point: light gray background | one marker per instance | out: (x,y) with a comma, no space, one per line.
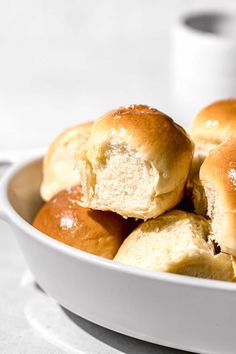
(63,62)
(67,61)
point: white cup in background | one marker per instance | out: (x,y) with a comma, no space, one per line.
(203,61)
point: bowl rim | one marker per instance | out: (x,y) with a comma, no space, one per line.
(9,214)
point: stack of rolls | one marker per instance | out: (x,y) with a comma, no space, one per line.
(114,188)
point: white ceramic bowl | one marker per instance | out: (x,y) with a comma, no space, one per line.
(173,310)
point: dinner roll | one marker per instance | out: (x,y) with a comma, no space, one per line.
(215,194)
(96,232)
(212,126)
(59,170)
(176,242)
(137,163)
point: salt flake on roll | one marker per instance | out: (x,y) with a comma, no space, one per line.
(136,164)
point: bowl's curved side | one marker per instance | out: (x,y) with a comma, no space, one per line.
(187,317)
(177,311)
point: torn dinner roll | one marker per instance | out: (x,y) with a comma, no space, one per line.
(136,164)
(176,242)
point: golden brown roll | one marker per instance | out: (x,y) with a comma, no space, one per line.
(96,232)
(137,163)
(176,242)
(59,170)
(212,126)
(215,193)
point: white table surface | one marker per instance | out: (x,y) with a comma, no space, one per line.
(64,62)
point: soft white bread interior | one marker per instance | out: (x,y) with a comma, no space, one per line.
(59,170)
(176,242)
(199,197)
(137,163)
(215,193)
(212,126)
